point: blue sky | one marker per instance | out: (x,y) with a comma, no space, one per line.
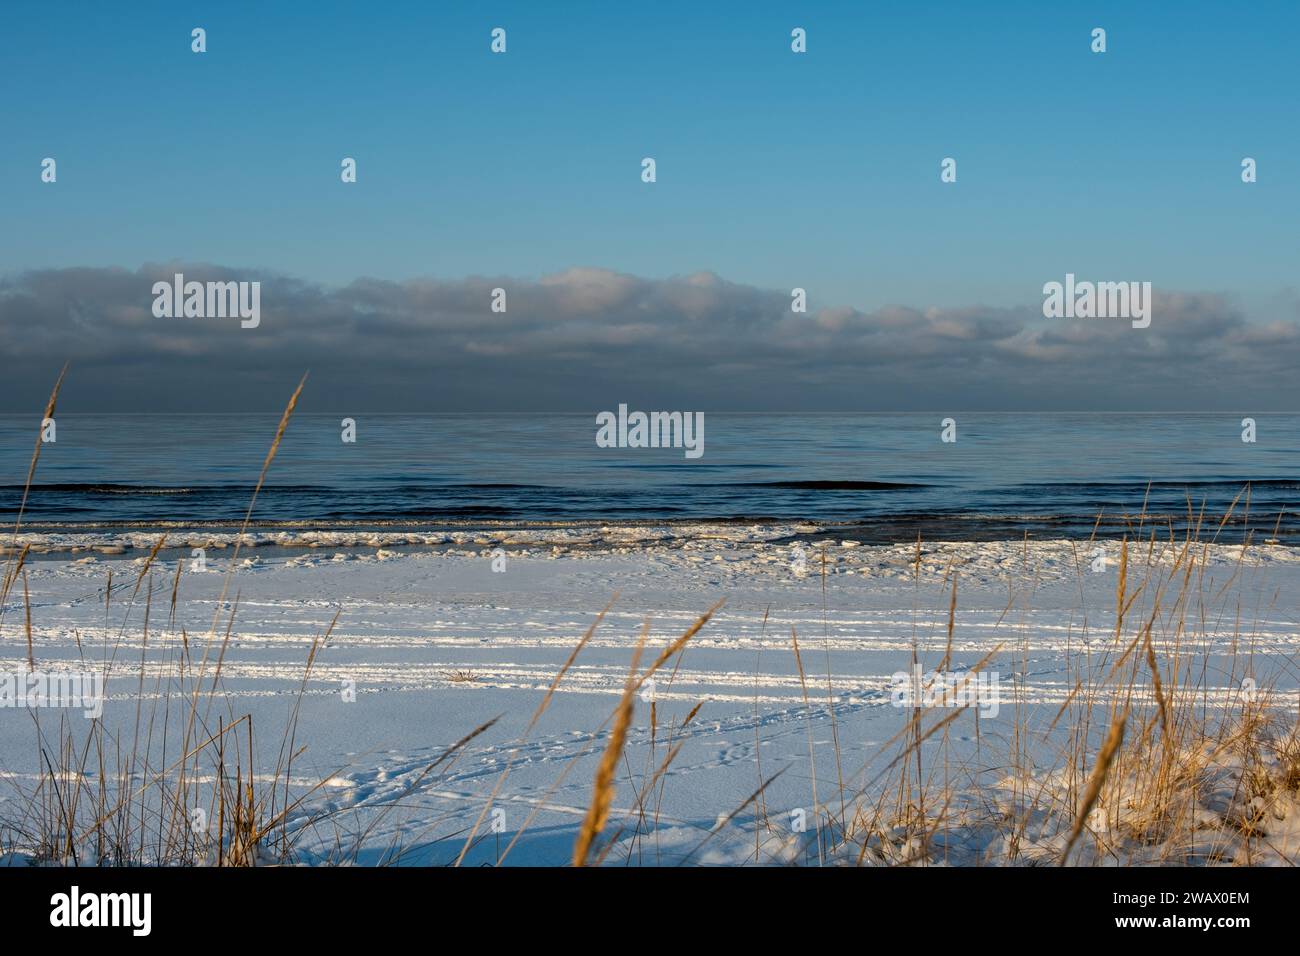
(775,170)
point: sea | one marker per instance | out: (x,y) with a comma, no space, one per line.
(877,477)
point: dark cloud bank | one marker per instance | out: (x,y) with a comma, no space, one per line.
(588,339)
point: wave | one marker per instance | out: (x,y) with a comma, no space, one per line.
(830,485)
(1124,483)
(109,488)
(101,488)
(105,488)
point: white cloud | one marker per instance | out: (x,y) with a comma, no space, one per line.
(587,337)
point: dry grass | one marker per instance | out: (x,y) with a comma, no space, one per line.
(602,796)
(181,788)
(1148,766)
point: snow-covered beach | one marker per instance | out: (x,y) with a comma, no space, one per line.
(440,633)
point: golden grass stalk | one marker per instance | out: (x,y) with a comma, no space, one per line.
(1105,757)
(36,452)
(602,794)
(261,478)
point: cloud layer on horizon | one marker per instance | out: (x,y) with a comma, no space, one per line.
(587,339)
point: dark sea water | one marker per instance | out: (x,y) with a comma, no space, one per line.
(888,476)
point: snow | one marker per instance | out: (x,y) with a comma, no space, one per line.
(437,643)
